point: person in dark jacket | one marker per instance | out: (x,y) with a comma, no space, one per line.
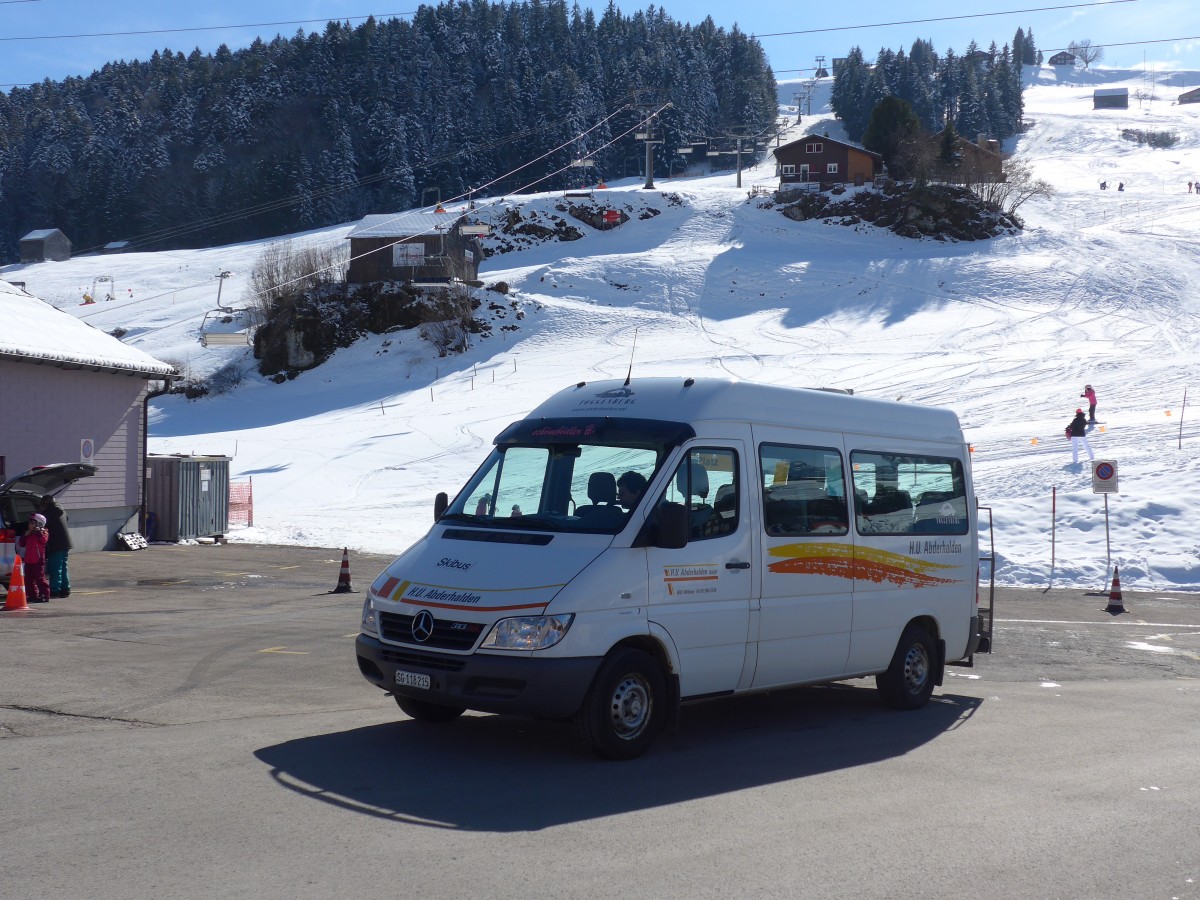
(57,547)
(1078,429)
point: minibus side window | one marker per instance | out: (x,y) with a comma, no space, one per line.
(900,493)
(804,490)
(707,483)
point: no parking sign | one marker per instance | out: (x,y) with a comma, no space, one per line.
(1104,476)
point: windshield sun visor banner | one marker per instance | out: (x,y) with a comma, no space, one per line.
(587,430)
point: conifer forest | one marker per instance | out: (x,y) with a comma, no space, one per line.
(321,128)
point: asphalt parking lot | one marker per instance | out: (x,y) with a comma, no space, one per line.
(191,722)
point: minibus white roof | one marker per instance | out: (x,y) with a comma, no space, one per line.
(717,399)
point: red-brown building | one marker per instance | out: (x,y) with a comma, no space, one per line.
(971,163)
(814,158)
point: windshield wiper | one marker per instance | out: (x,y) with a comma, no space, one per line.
(463,517)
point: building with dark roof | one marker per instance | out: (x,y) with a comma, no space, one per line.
(45,244)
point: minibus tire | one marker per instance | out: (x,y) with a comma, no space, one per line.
(909,679)
(625,706)
(424,711)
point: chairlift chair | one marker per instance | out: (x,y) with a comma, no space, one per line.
(239,338)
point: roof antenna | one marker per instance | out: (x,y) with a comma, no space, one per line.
(629,374)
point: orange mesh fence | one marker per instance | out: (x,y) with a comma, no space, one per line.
(241,503)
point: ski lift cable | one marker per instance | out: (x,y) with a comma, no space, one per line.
(526,186)
(598,150)
(237,215)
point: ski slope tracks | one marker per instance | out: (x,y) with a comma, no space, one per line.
(1101,288)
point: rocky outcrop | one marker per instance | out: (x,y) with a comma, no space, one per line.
(942,212)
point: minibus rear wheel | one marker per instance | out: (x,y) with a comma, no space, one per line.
(424,711)
(625,706)
(909,679)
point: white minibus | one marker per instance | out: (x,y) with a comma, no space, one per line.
(631,546)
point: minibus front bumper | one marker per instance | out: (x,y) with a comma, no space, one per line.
(520,685)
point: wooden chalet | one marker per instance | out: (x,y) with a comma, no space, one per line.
(418,246)
(824,161)
(1192,96)
(1062,58)
(973,162)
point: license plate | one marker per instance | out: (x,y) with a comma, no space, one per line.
(412,679)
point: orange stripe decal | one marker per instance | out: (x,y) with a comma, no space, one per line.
(860,563)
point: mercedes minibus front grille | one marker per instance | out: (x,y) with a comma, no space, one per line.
(446,634)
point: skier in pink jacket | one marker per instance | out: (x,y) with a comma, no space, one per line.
(1091,399)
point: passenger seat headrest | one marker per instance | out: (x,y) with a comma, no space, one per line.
(699,480)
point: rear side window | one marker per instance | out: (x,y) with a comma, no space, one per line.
(908,494)
(804,490)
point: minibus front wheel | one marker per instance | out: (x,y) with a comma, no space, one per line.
(909,679)
(424,711)
(625,706)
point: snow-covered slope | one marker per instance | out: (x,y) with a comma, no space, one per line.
(1101,288)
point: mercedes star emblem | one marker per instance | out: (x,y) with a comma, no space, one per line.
(422,626)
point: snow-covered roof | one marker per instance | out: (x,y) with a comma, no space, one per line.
(35,330)
(405,224)
(1112,92)
(41,234)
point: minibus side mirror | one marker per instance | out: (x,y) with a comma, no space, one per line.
(673,526)
(440,502)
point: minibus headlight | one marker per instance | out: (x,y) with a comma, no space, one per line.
(368,617)
(528,632)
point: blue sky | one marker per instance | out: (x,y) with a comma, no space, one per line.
(39,38)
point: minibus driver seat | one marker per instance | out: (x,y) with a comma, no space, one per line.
(602,491)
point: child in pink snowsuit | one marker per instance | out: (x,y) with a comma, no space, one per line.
(1091,399)
(32,545)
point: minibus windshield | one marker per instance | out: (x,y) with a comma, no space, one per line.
(580,476)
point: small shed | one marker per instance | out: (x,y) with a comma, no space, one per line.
(1110,98)
(115,247)
(1192,96)
(1062,58)
(186,497)
(45,244)
(415,246)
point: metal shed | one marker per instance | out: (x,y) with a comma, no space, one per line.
(45,244)
(186,497)
(1110,98)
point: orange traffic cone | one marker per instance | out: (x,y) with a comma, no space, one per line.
(1115,600)
(16,588)
(343,585)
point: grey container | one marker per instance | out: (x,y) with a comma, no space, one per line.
(186,497)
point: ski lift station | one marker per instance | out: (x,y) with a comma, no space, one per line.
(421,247)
